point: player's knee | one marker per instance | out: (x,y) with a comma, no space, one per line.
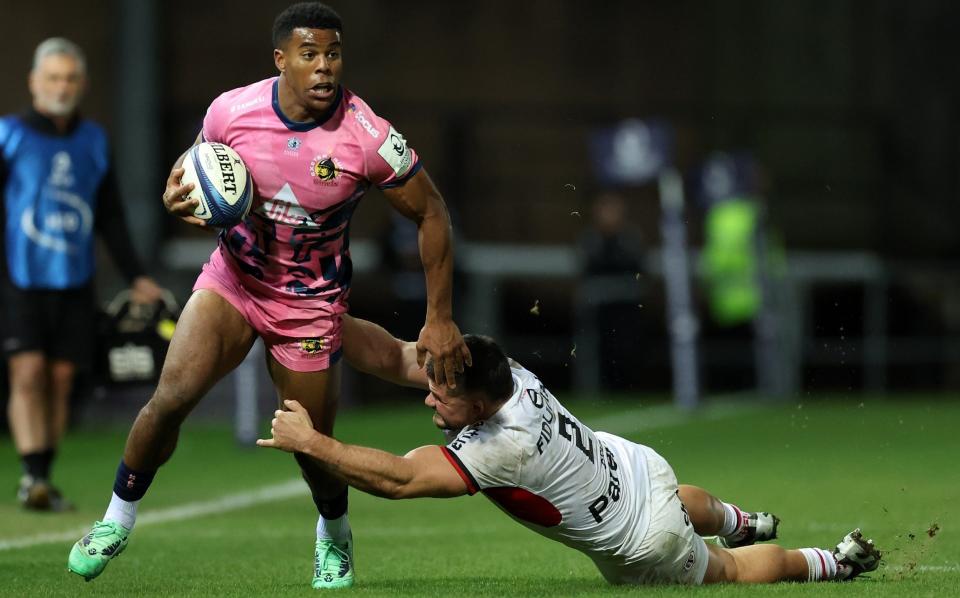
(29,379)
(63,373)
(732,571)
(169,403)
(706,511)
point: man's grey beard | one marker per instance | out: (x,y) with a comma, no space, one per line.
(58,108)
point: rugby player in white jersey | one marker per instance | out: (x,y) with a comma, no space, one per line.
(616,501)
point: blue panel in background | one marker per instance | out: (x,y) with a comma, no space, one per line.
(633,152)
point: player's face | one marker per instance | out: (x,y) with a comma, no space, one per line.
(57,85)
(452,412)
(312,65)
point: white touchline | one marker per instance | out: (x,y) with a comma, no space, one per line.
(231,502)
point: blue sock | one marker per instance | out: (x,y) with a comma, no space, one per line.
(131,485)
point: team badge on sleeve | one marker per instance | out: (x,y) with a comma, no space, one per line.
(395,151)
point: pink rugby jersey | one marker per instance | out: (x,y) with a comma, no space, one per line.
(308,179)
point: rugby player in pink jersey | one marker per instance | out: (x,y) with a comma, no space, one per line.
(313,148)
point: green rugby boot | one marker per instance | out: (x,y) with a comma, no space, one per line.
(333,564)
(92,552)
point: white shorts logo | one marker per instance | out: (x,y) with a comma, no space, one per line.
(691,560)
(395,151)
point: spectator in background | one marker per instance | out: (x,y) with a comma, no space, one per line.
(610,246)
(58,187)
(611,286)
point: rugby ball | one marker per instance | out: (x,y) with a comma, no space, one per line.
(221,184)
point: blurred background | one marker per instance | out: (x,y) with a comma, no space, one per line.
(741,196)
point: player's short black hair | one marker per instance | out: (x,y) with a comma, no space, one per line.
(490,372)
(312,15)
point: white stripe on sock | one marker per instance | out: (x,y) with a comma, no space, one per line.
(732,520)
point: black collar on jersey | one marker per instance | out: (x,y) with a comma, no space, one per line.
(44,124)
(298,126)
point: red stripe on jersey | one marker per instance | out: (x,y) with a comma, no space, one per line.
(823,564)
(472,486)
(525,505)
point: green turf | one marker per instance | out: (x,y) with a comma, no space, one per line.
(824,467)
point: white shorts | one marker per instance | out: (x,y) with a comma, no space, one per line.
(671,552)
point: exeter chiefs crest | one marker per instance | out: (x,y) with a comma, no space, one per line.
(325,170)
(311,346)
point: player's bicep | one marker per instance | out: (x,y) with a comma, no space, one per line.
(433,475)
(416,198)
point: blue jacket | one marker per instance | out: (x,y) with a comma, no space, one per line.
(58,187)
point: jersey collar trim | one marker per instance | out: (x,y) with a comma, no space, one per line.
(299,126)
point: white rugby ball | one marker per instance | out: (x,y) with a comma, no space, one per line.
(221,184)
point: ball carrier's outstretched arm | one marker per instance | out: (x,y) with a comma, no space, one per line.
(420,201)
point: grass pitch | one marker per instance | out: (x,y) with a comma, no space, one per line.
(825,467)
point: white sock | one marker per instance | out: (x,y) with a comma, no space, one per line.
(820,564)
(122,511)
(734,520)
(333,529)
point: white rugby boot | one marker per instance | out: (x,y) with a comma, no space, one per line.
(855,556)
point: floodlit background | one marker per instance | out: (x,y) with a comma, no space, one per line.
(822,256)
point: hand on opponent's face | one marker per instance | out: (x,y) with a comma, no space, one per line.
(443,341)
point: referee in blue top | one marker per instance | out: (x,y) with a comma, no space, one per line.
(58,187)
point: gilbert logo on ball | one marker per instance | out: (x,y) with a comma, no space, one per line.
(221,184)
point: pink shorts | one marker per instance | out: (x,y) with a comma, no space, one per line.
(302,339)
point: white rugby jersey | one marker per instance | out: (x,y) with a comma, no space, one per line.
(554,475)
